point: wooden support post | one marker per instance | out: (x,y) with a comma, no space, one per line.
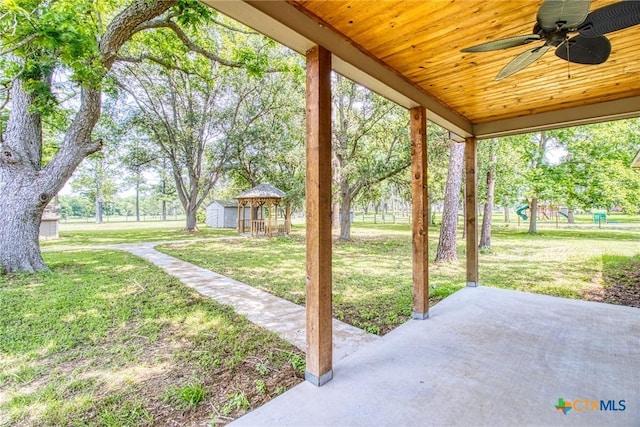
(275,217)
(251,221)
(318,205)
(471,211)
(420,222)
(287,214)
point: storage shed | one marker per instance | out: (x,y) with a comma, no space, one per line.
(49,222)
(222,214)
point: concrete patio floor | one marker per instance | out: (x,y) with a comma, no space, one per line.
(486,356)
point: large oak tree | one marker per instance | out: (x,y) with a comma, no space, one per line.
(44,42)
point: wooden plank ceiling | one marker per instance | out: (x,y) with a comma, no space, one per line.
(421,41)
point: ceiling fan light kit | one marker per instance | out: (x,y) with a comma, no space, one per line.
(556,20)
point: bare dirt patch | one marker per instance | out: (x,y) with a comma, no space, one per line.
(621,283)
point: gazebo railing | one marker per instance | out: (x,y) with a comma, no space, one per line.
(257,226)
(268,227)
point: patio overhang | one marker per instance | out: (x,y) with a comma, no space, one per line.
(409,52)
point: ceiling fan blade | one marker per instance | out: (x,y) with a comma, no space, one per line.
(613,17)
(585,50)
(522,61)
(503,43)
(554,14)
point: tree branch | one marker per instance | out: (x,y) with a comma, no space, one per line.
(77,145)
(235,29)
(165,64)
(167,23)
(21,43)
(126,24)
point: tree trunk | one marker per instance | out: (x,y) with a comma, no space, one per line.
(533,218)
(345,220)
(446,251)
(507,219)
(22,199)
(345,210)
(570,217)
(138,199)
(485,233)
(192,221)
(19,229)
(164,210)
(335,216)
(98,211)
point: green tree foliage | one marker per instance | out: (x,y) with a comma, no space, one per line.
(267,133)
(595,172)
(438,159)
(584,167)
(370,143)
(94,180)
(198,109)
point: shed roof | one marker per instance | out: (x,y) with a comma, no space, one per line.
(410,52)
(226,203)
(262,191)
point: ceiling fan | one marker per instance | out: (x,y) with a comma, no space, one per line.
(556,19)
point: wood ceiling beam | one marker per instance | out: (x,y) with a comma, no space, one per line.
(296,30)
(595,113)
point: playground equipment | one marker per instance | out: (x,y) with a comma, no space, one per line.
(544,212)
(520,212)
(599,217)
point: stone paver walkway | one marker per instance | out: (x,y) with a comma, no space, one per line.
(276,314)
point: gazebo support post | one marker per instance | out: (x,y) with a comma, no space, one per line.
(287,218)
(471,211)
(275,217)
(419,223)
(241,217)
(319,368)
(251,217)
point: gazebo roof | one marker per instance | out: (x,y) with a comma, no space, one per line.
(262,191)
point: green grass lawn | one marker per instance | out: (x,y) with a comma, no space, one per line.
(372,273)
(87,234)
(108,339)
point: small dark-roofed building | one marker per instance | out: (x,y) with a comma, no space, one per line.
(222,214)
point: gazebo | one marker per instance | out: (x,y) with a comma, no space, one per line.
(266,216)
